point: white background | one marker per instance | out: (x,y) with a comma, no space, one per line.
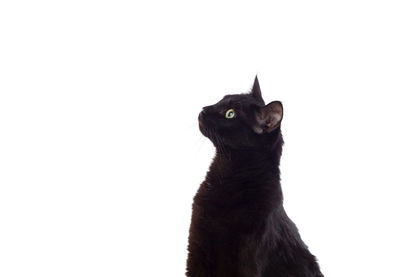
(100,153)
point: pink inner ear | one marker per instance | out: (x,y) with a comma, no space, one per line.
(268,118)
(275,118)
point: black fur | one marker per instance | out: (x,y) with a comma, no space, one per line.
(239,226)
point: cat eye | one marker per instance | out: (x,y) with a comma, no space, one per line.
(230,114)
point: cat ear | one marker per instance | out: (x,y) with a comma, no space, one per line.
(268,117)
(256,91)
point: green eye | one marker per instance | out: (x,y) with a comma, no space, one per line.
(230,113)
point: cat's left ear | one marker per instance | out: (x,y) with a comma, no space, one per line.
(256,91)
(268,118)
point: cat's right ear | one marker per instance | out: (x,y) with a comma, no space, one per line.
(268,118)
(256,90)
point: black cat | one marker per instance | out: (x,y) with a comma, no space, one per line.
(239,226)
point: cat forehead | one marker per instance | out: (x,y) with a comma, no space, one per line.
(235,99)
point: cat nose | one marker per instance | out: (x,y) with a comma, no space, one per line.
(205,110)
(202,114)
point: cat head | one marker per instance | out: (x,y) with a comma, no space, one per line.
(242,121)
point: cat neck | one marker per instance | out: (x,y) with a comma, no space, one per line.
(256,165)
(234,170)
(248,158)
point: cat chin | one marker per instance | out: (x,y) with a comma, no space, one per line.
(201,125)
(203,129)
